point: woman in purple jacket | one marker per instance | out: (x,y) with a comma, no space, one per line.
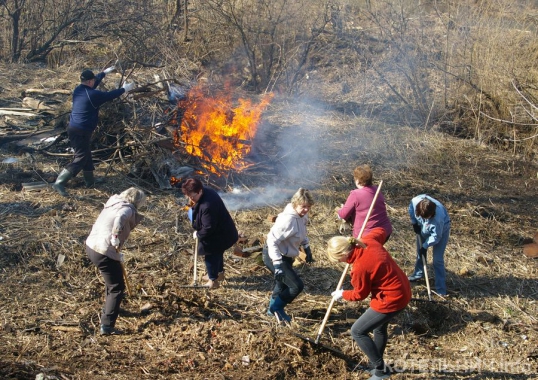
(83,121)
(358,203)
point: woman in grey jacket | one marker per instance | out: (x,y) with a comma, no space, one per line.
(283,242)
(109,233)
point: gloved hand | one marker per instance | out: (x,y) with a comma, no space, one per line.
(422,252)
(337,294)
(114,241)
(128,86)
(195,235)
(109,70)
(417,228)
(279,273)
(122,258)
(308,252)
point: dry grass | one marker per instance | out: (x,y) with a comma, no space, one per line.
(486,330)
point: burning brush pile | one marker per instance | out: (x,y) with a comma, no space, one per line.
(215,134)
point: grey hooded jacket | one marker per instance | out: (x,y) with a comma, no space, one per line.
(118,217)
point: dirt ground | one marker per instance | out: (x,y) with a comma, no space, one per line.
(51,295)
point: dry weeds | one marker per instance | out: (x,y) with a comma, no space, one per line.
(51,295)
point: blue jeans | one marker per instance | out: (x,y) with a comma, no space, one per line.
(438,261)
(291,285)
(372,321)
(214,264)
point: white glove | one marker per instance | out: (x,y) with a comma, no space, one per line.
(114,241)
(337,294)
(195,235)
(122,258)
(109,70)
(128,86)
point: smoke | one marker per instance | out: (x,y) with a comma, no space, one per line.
(295,156)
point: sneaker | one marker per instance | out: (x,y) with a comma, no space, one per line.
(220,277)
(415,277)
(379,374)
(108,330)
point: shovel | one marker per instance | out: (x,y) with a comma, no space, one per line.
(322,327)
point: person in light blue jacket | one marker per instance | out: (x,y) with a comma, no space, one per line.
(431,223)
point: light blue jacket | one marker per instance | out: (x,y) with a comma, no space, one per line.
(433,229)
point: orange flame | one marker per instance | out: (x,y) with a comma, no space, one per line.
(216,132)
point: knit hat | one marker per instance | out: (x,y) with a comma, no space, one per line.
(87,75)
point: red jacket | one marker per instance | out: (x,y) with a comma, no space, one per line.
(375,272)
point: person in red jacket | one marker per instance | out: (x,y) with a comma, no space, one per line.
(374,273)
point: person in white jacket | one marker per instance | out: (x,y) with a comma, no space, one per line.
(283,242)
(109,232)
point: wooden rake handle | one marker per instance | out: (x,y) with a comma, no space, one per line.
(195,268)
(425,264)
(328,313)
(126,279)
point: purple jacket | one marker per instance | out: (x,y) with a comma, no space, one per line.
(356,208)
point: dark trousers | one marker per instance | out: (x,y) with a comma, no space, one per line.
(80,142)
(372,321)
(214,264)
(114,285)
(291,285)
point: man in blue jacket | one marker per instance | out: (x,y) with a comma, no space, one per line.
(83,121)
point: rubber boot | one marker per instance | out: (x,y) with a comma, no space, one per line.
(90,180)
(271,303)
(278,309)
(62,179)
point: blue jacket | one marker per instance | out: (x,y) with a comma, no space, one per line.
(86,103)
(215,227)
(432,229)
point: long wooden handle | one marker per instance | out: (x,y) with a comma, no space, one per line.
(195,269)
(126,279)
(328,313)
(425,264)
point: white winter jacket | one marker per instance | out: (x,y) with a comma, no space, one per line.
(287,235)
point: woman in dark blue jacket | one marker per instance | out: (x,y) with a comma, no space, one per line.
(214,228)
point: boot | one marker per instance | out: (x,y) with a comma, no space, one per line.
(278,309)
(271,303)
(90,180)
(62,179)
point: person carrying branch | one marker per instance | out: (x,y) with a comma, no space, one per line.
(358,203)
(431,223)
(283,242)
(213,227)
(374,273)
(82,123)
(109,232)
